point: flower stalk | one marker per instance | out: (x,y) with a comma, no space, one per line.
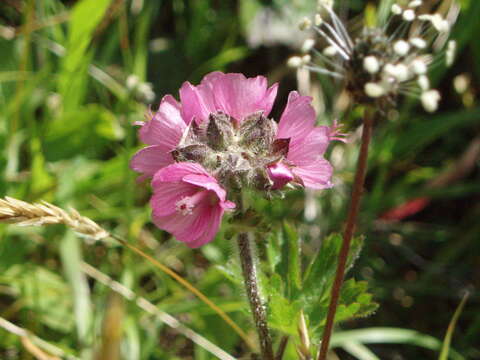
(251,286)
(357,192)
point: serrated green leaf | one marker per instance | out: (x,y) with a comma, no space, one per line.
(321,271)
(284,314)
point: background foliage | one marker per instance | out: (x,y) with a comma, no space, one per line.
(68,103)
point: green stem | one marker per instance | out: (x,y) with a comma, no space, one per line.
(251,286)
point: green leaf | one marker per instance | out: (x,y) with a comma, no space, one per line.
(84,18)
(291,252)
(91,124)
(284,314)
(43,292)
(321,271)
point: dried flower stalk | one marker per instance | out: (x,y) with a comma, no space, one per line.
(14,211)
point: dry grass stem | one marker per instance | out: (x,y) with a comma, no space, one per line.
(21,213)
(34,343)
(150,308)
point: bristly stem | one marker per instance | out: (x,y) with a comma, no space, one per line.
(349,229)
(251,286)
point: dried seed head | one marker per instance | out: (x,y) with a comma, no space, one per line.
(19,212)
(380,63)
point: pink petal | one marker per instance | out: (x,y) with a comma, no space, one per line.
(197,102)
(190,227)
(228,205)
(315,175)
(267,103)
(176,172)
(280,174)
(239,96)
(303,151)
(166,127)
(151,159)
(207,182)
(298,118)
(166,195)
(212,224)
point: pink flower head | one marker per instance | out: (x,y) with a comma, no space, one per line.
(188,202)
(304,163)
(232,94)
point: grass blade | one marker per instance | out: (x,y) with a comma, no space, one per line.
(451,328)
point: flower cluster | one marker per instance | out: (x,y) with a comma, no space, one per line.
(384,61)
(219,139)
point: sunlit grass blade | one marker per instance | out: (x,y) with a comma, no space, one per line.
(451,328)
(385,335)
(359,351)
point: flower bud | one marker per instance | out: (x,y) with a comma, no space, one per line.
(219,131)
(195,152)
(257,132)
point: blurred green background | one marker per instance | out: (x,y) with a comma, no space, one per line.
(75,75)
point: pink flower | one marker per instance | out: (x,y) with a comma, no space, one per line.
(188,202)
(233,94)
(304,163)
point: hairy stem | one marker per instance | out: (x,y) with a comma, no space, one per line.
(251,286)
(349,229)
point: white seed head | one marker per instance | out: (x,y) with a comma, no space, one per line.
(146,91)
(419,43)
(409,15)
(415,3)
(318,19)
(374,90)
(295,62)
(330,51)
(371,64)
(430,100)
(461,83)
(396,9)
(390,70)
(308,45)
(423,82)
(451,51)
(325,3)
(439,23)
(306,59)
(305,24)
(132,82)
(402,73)
(425,17)
(419,67)
(401,47)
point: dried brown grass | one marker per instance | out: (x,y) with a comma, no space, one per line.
(14,211)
